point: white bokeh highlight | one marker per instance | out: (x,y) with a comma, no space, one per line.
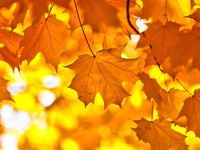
(46,97)
(51,81)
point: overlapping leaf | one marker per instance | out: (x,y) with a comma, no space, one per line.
(103,73)
(37,9)
(160,135)
(186,48)
(172,103)
(107,16)
(192,112)
(45,38)
(4,94)
(97,17)
(8,52)
(151,87)
(165,10)
(160,37)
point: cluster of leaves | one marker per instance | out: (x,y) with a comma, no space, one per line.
(91,43)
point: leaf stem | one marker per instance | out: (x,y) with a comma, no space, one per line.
(183,86)
(128,17)
(82,28)
(51,8)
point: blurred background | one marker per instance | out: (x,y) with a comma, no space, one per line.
(47,115)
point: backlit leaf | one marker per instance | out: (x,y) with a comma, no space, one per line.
(160,135)
(151,87)
(45,38)
(192,112)
(172,103)
(165,10)
(4,94)
(103,73)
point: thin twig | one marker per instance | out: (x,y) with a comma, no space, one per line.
(82,28)
(128,17)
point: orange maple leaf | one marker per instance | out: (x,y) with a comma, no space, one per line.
(45,38)
(8,52)
(186,48)
(4,94)
(108,16)
(160,37)
(151,87)
(192,112)
(10,58)
(172,103)
(103,73)
(160,135)
(37,9)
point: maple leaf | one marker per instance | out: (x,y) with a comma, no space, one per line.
(160,37)
(191,111)
(151,87)
(165,10)
(4,94)
(10,40)
(172,103)
(37,9)
(97,17)
(159,135)
(103,73)
(45,38)
(186,48)
(9,57)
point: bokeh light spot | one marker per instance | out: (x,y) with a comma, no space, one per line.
(51,81)
(46,97)
(69,144)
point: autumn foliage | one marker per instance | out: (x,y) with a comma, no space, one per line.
(116,74)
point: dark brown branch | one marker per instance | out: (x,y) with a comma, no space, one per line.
(128,17)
